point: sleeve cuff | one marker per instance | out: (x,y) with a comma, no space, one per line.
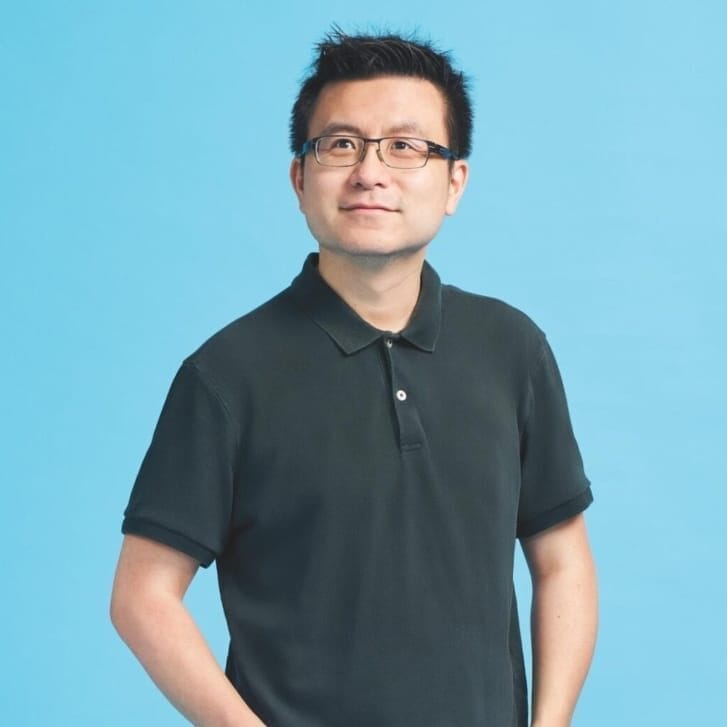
(557,514)
(147,529)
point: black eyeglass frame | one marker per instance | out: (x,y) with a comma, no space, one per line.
(432,148)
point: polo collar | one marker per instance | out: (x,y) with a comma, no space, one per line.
(350,332)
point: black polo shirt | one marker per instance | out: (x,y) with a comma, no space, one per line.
(362,492)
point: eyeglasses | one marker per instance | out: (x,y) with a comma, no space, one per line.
(397,152)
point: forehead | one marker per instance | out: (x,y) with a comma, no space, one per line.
(377,106)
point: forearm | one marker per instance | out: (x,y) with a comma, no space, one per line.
(563,624)
(162,634)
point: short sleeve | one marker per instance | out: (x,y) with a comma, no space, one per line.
(554,486)
(183,494)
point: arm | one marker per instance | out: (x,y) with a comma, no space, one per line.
(563,618)
(147,611)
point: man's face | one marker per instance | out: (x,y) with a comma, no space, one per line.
(371,209)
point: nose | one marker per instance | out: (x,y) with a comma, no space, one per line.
(371,170)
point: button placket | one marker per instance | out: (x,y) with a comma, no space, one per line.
(411,434)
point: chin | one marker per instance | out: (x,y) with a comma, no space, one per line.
(371,249)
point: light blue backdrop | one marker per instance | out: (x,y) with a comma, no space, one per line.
(144,203)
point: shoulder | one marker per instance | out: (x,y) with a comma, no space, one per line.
(491,320)
(494,310)
(256,330)
(245,344)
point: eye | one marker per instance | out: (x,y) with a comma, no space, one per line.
(338,143)
(402,146)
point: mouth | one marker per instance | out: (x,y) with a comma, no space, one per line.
(367,208)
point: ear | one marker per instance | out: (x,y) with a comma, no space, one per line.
(296,178)
(457,182)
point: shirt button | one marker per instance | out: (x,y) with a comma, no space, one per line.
(389,343)
(401,395)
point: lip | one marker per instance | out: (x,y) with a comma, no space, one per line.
(367,208)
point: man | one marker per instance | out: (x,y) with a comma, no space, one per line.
(360,454)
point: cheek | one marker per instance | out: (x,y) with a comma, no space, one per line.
(310,202)
(431,199)
(318,194)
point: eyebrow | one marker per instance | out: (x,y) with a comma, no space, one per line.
(407,127)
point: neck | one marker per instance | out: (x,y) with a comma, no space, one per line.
(382,290)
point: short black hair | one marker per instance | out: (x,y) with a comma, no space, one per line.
(342,57)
